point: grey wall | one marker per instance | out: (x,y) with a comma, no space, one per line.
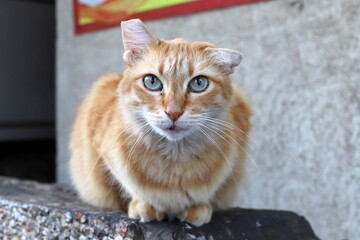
(301,73)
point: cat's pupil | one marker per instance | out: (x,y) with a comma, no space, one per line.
(199,81)
(152,80)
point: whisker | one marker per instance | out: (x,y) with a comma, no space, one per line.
(232,126)
(132,150)
(221,151)
(109,143)
(215,128)
(135,132)
(135,144)
(157,142)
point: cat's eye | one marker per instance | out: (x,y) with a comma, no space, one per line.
(198,84)
(152,83)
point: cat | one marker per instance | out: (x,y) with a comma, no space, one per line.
(167,139)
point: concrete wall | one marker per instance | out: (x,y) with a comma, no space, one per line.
(301,72)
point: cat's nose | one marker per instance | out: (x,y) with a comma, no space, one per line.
(174,115)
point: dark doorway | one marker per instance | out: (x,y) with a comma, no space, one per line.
(27,89)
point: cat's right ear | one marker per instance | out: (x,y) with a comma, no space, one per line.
(136,39)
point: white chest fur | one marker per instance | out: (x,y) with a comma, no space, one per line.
(178,195)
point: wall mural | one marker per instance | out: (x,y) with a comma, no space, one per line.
(91,15)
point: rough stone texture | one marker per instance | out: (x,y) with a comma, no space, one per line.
(301,73)
(29,210)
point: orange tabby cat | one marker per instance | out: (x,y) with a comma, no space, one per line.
(166,138)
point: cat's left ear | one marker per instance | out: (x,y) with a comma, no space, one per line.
(227,59)
(136,39)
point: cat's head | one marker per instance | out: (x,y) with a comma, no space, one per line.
(177,88)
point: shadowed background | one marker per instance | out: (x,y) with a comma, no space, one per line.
(27,89)
(300,72)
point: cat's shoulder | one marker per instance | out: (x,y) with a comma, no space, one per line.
(241,108)
(103,93)
(107,82)
(240,100)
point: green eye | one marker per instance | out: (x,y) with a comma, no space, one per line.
(152,83)
(198,84)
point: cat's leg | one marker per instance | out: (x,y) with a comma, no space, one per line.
(226,195)
(94,183)
(144,211)
(197,215)
(103,194)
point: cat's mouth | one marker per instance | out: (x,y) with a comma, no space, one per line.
(174,129)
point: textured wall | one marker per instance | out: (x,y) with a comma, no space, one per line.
(301,72)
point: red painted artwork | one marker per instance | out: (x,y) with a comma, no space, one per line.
(91,15)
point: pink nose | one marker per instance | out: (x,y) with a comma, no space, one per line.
(173,115)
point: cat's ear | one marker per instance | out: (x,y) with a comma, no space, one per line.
(227,59)
(136,39)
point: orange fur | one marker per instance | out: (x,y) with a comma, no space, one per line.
(123,157)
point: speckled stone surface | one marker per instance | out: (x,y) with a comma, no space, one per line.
(30,210)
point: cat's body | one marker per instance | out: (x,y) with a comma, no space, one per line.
(151,143)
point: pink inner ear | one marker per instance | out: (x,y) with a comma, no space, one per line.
(235,58)
(226,58)
(136,39)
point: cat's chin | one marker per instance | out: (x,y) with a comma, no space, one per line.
(174,134)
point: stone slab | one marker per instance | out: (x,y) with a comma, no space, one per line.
(31,210)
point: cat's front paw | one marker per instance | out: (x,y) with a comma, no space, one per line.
(143,211)
(196,215)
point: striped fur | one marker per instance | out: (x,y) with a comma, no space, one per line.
(123,155)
